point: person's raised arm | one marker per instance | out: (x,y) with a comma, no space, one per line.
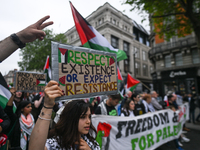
(29,34)
(40,131)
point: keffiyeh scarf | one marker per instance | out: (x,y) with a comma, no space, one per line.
(26,127)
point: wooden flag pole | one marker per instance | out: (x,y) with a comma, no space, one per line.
(146,86)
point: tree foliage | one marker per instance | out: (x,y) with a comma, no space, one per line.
(35,53)
(172,17)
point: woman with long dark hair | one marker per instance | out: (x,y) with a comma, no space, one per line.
(74,129)
(128,108)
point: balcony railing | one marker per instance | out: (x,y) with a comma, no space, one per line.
(172,45)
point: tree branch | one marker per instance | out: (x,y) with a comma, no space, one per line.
(172,14)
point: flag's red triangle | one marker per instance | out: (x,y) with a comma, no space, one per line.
(85,33)
(46,66)
(119,74)
(131,81)
(37,81)
(111,61)
(62,50)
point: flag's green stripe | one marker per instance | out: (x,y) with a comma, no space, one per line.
(133,87)
(119,80)
(59,56)
(41,85)
(46,71)
(3,102)
(121,55)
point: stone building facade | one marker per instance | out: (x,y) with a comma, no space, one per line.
(176,64)
(125,34)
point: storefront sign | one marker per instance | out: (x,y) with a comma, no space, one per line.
(179,73)
(83,72)
(144,132)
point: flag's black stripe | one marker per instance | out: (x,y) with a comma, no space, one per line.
(3,82)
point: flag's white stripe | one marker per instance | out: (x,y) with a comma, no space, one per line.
(62,58)
(5,92)
(42,82)
(49,72)
(100,40)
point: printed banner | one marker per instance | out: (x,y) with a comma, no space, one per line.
(29,81)
(84,72)
(145,132)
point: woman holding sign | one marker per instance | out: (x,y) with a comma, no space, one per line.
(73,130)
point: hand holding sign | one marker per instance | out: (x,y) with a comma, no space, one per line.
(52,91)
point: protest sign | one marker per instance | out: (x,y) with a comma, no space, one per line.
(83,72)
(29,81)
(144,132)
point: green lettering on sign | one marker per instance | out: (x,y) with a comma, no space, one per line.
(150,140)
(133,143)
(158,133)
(142,143)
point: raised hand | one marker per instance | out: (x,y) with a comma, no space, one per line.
(34,31)
(52,90)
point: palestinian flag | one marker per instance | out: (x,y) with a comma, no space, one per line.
(40,82)
(62,55)
(120,78)
(47,69)
(4,93)
(131,83)
(91,38)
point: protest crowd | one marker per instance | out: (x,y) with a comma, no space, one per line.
(41,123)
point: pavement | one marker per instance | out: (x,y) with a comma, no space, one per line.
(193,135)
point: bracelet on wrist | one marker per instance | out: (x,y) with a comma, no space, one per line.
(17,41)
(47,107)
(43,114)
(44,118)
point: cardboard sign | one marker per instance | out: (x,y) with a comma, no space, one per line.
(83,72)
(29,81)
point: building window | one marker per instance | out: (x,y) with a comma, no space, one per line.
(178,59)
(126,47)
(140,39)
(125,28)
(137,52)
(144,55)
(114,21)
(195,57)
(145,70)
(100,21)
(151,69)
(147,42)
(137,68)
(114,41)
(168,61)
(126,65)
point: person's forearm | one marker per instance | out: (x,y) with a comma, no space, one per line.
(7,47)
(37,103)
(10,102)
(40,131)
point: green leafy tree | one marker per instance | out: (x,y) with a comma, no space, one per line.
(172,17)
(35,53)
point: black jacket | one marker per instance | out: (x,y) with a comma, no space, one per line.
(6,121)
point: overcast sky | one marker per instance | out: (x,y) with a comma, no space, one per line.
(18,14)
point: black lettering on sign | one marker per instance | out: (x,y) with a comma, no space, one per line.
(119,127)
